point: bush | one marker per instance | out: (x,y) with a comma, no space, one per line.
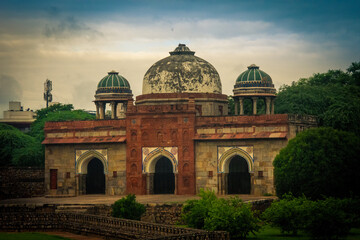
(323,219)
(319,162)
(194,212)
(233,216)
(286,214)
(211,213)
(128,208)
(327,219)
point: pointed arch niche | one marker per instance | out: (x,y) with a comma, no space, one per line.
(225,155)
(82,159)
(150,157)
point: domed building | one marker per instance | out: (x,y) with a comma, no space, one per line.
(254,84)
(180,76)
(176,138)
(113,89)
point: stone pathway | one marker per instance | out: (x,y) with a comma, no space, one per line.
(108,200)
(73,236)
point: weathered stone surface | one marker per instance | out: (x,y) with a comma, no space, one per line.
(21,182)
(181,72)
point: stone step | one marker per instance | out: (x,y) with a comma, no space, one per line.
(73,208)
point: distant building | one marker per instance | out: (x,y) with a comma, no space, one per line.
(17,117)
(176,138)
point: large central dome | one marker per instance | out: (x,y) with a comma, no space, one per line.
(182,72)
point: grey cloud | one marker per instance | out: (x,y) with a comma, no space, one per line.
(10,89)
(69,27)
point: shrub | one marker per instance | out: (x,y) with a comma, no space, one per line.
(286,214)
(327,219)
(233,216)
(323,219)
(128,208)
(194,212)
(211,213)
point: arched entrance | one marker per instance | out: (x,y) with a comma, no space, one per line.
(164,178)
(238,178)
(95,177)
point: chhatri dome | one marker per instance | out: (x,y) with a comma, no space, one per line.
(182,72)
(113,89)
(254,84)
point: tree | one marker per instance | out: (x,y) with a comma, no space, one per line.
(56,113)
(332,96)
(319,162)
(354,71)
(17,148)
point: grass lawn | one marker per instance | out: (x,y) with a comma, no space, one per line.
(268,232)
(29,236)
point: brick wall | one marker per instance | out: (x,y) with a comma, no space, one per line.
(17,182)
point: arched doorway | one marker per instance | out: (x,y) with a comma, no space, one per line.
(95,178)
(238,177)
(164,178)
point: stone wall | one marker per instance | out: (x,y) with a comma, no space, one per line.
(156,213)
(23,218)
(21,182)
(70,161)
(264,152)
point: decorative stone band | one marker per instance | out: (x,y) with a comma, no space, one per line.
(150,155)
(84,156)
(181,96)
(225,154)
(113,90)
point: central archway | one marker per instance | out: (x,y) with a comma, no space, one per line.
(95,177)
(238,176)
(164,178)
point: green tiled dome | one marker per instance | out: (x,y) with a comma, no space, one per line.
(254,83)
(113,83)
(254,74)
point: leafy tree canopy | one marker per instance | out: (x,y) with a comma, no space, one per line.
(56,113)
(14,144)
(319,162)
(334,97)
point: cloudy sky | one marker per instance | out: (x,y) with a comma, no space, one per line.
(75,43)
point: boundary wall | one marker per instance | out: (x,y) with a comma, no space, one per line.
(38,218)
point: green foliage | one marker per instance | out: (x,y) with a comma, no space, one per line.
(30,155)
(327,219)
(16,148)
(20,149)
(286,214)
(195,212)
(319,162)
(211,213)
(323,219)
(334,97)
(42,113)
(4,126)
(57,113)
(233,216)
(128,208)
(231,106)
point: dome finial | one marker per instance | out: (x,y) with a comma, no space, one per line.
(253,66)
(182,49)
